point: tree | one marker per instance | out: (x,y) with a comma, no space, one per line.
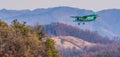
(50,48)
(20,27)
(19,40)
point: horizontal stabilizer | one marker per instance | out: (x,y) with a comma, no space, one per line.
(75,16)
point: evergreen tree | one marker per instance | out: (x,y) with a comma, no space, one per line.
(50,48)
(19,40)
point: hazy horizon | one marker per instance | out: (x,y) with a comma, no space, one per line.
(94,5)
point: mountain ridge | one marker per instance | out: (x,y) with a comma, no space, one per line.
(70,46)
(61,29)
(106,25)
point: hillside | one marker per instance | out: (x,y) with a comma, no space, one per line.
(107,23)
(69,42)
(70,46)
(94,39)
(19,40)
(60,29)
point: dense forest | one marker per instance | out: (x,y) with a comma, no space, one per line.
(112,50)
(61,29)
(19,40)
(104,47)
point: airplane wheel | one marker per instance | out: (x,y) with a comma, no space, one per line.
(78,23)
(83,23)
(74,20)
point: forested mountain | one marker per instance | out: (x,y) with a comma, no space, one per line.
(107,23)
(19,40)
(70,46)
(60,29)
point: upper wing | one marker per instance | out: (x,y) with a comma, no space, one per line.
(75,16)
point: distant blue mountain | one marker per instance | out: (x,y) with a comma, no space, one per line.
(43,16)
(107,23)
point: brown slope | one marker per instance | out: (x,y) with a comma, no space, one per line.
(71,42)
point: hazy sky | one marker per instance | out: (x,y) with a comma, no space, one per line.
(95,5)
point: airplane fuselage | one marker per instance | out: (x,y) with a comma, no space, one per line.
(83,19)
(86,18)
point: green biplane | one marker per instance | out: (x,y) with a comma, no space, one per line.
(84,19)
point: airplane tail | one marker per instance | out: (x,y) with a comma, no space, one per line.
(74,16)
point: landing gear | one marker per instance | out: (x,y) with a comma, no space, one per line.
(78,23)
(74,20)
(83,23)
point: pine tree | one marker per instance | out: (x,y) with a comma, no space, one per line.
(50,48)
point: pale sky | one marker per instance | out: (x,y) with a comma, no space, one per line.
(95,5)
